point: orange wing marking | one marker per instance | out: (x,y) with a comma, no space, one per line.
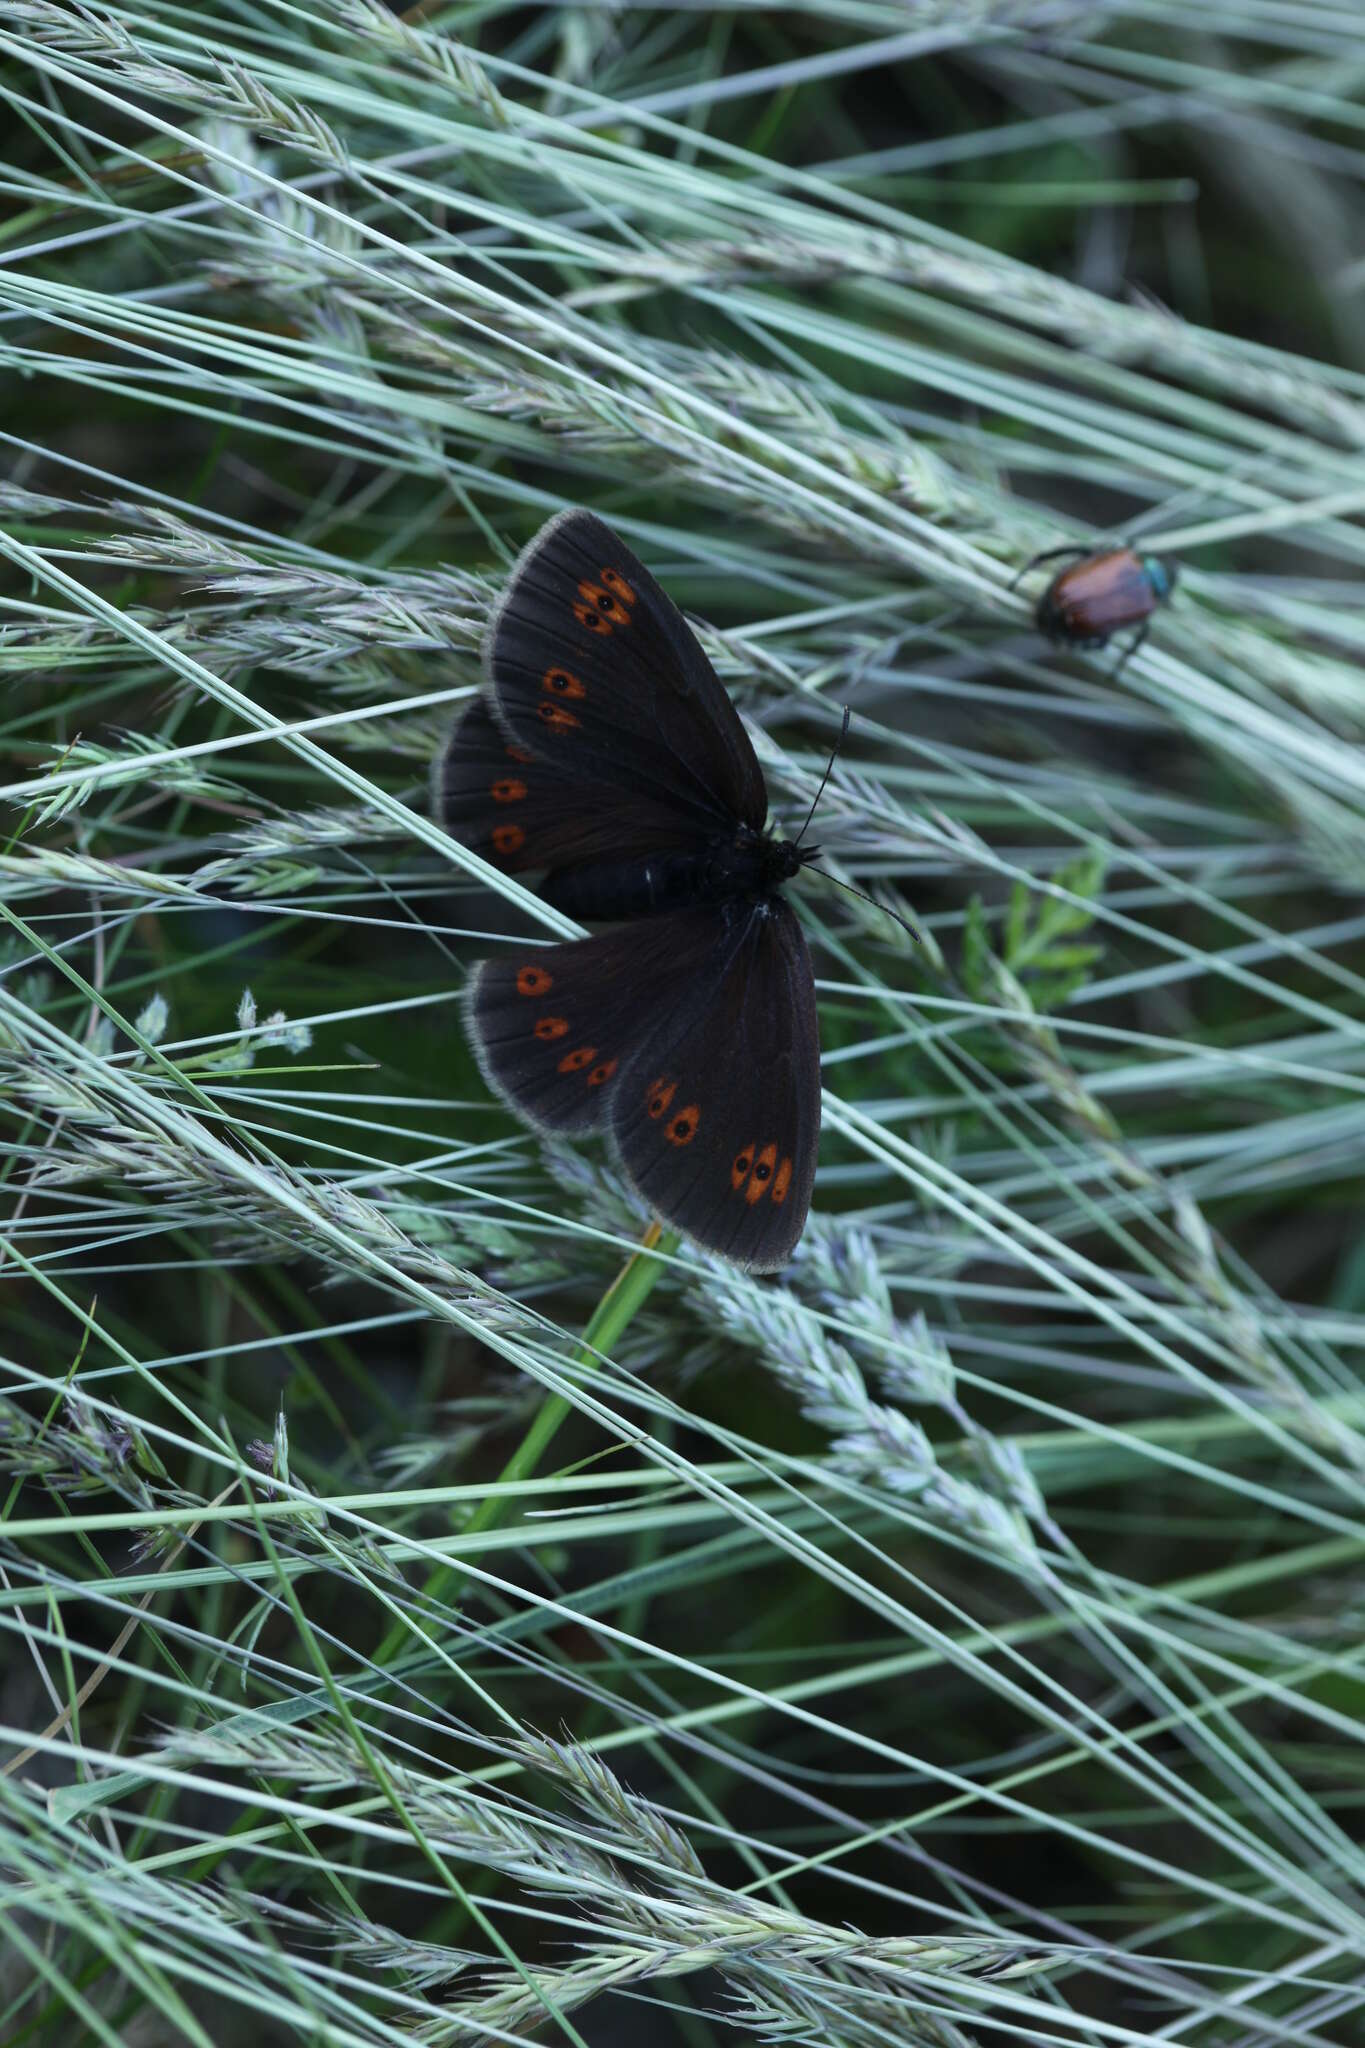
(562,682)
(756,1173)
(761,1175)
(600,608)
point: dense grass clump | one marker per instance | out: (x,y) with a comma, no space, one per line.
(427,1612)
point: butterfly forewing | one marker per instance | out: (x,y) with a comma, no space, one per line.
(595,669)
(510,805)
(717,1119)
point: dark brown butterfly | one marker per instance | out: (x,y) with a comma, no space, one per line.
(606,754)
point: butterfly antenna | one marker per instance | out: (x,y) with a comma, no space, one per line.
(833,754)
(863,896)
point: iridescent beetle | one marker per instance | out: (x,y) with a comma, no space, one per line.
(1100,594)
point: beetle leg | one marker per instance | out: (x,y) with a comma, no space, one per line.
(1048,555)
(1130,650)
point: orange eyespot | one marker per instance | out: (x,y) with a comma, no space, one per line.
(682,1129)
(617,585)
(508,838)
(555,715)
(548,1028)
(781,1182)
(534,981)
(562,682)
(739,1172)
(599,605)
(762,1174)
(581,1056)
(602,1073)
(507,790)
(658,1096)
(519,754)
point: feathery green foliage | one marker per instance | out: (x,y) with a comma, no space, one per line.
(425,1615)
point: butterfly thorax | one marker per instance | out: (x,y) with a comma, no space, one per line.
(737,865)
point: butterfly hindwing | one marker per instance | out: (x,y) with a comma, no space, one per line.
(592,667)
(717,1118)
(693,1038)
(510,805)
(554,1025)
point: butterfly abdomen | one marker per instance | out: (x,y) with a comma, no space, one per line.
(732,865)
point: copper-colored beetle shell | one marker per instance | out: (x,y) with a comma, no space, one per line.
(1098,596)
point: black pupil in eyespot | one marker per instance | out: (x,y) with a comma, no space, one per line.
(604,602)
(762,1172)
